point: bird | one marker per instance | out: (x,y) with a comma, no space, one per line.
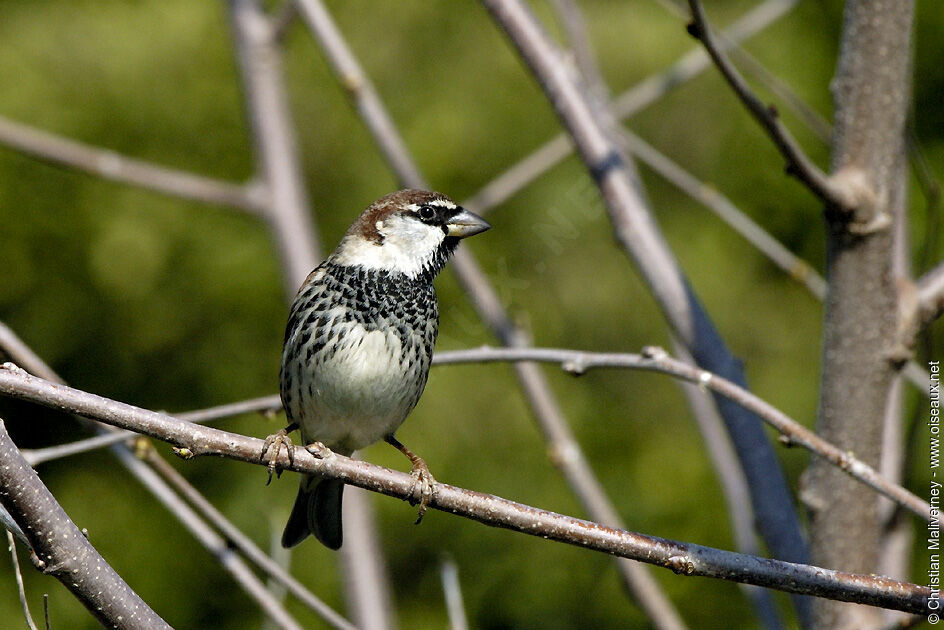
(359,343)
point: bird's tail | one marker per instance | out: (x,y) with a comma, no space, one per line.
(317,511)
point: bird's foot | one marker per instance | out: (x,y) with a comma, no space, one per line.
(277,440)
(319,450)
(422,487)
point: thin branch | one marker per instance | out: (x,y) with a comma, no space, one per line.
(657,360)
(733,484)
(568,456)
(360,90)
(578,39)
(121,168)
(63,551)
(683,558)
(578,362)
(367,595)
(235,538)
(791,264)
(10,525)
(219,548)
(38,456)
(20,589)
(798,163)
(265,404)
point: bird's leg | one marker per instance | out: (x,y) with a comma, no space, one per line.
(278,440)
(422,479)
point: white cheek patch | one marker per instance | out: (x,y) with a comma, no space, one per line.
(407,247)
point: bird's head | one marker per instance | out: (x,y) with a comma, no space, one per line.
(409,231)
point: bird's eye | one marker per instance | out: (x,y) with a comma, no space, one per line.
(427,213)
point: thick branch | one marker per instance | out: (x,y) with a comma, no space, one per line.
(872,91)
(63,551)
(683,558)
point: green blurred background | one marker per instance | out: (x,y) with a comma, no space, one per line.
(174,305)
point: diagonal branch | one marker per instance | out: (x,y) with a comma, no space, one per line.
(798,163)
(640,237)
(62,551)
(234,538)
(683,558)
(627,104)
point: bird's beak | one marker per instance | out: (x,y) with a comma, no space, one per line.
(466,224)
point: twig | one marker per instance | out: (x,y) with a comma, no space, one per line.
(798,163)
(578,39)
(10,525)
(21,590)
(121,168)
(733,483)
(259,405)
(360,90)
(63,551)
(367,594)
(683,558)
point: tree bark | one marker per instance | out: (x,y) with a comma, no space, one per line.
(872,95)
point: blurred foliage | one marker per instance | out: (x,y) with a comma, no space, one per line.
(174,305)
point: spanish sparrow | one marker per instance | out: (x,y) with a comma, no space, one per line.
(359,341)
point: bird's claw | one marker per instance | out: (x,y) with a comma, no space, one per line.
(421,490)
(277,440)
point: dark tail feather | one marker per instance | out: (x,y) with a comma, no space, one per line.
(317,511)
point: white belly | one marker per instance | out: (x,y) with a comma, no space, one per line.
(360,393)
